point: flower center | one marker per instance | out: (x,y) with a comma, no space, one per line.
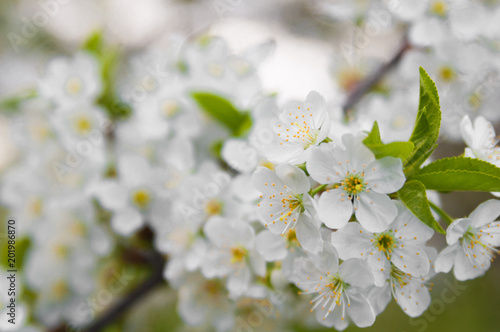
(74,85)
(77,228)
(212,287)
(213,207)
(141,198)
(354,184)
(439,8)
(169,108)
(291,204)
(385,242)
(470,241)
(60,290)
(216,70)
(35,207)
(337,287)
(238,254)
(60,250)
(291,238)
(83,125)
(304,133)
(446,74)
(399,278)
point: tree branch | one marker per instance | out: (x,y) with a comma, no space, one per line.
(367,84)
(119,309)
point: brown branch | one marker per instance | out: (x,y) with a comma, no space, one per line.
(128,301)
(115,312)
(367,84)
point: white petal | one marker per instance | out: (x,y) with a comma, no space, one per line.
(446,258)
(360,311)
(243,188)
(308,235)
(485,213)
(325,128)
(270,246)
(216,264)
(380,266)
(356,152)
(322,164)
(333,209)
(238,281)
(456,230)
(409,227)
(263,179)
(380,297)
(375,212)
(413,303)
(226,233)
(334,319)
(294,178)
(111,194)
(304,268)
(427,32)
(133,169)
(314,99)
(464,269)
(411,259)
(126,221)
(356,272)
(327,260)
(352,241)
(385,175)
(282,152)
(258,263)
(467,131)
(239,155)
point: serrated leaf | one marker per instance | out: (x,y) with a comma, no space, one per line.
(414,197)
(415,167)
(224,112)
(460,174)
(401,150)
(426,130)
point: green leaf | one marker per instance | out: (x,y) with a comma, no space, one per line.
(460,174)
(401,150)
(108,58)
(94,43)
(414,198)
(22,245)
(426,130)
(224,112)
(12,104)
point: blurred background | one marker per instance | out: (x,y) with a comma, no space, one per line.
(328,46)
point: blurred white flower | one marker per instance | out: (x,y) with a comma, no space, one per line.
(472,242)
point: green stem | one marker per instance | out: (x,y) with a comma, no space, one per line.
(316,190)
(327,140)
(445,216)
(303,167)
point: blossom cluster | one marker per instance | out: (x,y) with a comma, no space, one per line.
(249,208)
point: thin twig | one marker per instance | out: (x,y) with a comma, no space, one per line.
(115,312)
(364,86)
